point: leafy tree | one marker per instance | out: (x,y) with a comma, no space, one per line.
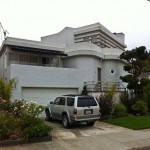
(136,58)
(146,64)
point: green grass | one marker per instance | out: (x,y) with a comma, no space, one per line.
(131,122)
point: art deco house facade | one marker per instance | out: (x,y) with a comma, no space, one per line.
(63,62)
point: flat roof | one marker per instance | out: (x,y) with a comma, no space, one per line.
(33,46)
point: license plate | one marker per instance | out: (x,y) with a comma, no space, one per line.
(88,112)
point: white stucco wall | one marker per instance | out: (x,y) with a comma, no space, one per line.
(115,65)
(37,76)
(64,37)
(89,56)
(84,62)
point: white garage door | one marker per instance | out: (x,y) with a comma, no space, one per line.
(45,95)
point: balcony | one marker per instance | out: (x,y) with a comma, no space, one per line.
(94,86)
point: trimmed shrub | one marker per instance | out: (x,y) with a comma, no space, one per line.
(140,108)
(128,101)
(107,102)
(38,130)
(8,125)
(120,110)
(146,98)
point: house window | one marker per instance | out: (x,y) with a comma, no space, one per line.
(33,59)
(54,61)
(87,39)
(13,58)
(45,61)
(99,74)
(112,71)
(23,58)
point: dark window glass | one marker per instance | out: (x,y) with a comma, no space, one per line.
(70,101)
(56,102)
(62,101)
(45,61)
(13,57)
(33,59)
(23,58)
(99,74)
(86,102)
(54,61)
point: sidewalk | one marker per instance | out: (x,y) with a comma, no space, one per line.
(123,140)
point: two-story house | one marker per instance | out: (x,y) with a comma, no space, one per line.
(63,62)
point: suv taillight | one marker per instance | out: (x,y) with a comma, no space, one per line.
(75,111)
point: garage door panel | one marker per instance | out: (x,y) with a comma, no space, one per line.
(44,95)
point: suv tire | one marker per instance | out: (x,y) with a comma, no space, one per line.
(91,123)
(48,118)
(65,121)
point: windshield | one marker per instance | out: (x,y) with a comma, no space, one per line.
(86,102)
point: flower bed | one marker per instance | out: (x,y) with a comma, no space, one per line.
(20,122)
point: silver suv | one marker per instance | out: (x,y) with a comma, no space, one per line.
(73,108)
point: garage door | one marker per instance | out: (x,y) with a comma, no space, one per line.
(44,95)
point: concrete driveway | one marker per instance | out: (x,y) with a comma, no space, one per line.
(82,130)
(99,137)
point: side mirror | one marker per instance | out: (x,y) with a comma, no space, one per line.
(51,102)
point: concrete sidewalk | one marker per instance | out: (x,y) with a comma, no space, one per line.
(123,140)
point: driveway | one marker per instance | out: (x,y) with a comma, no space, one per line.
(82,130)
(99,137)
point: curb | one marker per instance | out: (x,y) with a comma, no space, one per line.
(22,141)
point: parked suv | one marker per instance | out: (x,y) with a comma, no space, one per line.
(73,108)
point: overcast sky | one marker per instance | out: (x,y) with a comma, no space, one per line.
(31,19)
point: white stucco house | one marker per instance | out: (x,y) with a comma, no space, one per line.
(63,62)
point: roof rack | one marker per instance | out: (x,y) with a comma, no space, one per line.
(73,95)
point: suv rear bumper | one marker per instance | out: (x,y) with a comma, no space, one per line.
(85,118)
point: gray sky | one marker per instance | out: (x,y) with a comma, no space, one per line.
(31,19)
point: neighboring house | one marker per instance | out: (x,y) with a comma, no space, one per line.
(62,63)
(144,75)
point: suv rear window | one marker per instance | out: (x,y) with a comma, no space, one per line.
(86,102)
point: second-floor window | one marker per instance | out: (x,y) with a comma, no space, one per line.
(50,61)
(33,59)
(23,58)
(26,59)
(14,58)
(45,61)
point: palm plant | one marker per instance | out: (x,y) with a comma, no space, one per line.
(6,89)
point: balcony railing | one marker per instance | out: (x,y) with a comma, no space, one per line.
(93,86)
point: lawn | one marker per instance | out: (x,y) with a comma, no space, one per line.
(131,122)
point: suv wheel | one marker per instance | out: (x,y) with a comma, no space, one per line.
(48,118)
(91,123)
(65,121)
